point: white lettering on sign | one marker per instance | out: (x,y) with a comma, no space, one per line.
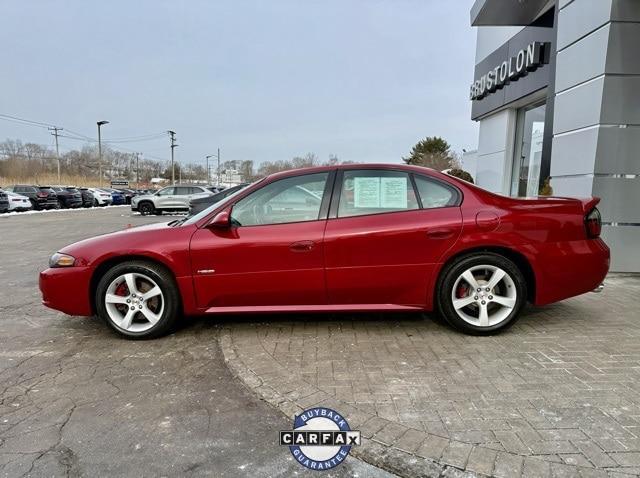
(526,60)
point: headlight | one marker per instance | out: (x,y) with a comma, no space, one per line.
(61,260)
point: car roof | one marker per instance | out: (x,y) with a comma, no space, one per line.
(387,166)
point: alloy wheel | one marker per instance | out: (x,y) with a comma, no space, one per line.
(484,295)
(134,302)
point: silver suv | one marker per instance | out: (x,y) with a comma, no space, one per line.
(172,198)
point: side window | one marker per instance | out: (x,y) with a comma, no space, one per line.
(197,190)
(435,194)
(288,200)
(166,192)
(374,192)
(183,191)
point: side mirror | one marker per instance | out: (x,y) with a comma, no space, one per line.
(222,220)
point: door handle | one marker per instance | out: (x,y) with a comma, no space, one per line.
(302,246)
(439,233)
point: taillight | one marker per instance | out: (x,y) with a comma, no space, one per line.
(593,223)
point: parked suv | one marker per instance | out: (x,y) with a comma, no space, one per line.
(4,202)
(40,199)
(172,198)
(68,197)
(87,197)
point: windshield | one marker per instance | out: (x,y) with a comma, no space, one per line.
(195,218)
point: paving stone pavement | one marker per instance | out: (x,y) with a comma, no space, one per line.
(556,395)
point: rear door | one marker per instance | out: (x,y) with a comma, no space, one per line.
(383,239)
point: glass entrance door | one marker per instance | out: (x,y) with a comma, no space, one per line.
(525,176)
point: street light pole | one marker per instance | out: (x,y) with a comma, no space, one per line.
(217,156)
(218,168)
(100,123)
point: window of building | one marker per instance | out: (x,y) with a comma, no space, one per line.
(525,176)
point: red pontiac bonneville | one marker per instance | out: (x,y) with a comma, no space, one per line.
(342,238)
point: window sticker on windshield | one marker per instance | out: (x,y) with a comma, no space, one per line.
(393,193)
(366,192)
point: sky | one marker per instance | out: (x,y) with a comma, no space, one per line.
(261,80)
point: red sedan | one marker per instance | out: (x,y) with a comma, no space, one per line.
(345,238)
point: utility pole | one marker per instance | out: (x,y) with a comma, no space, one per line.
(100,123)
(55,133)
(137,170)
(172,135)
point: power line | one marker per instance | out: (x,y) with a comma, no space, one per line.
(16,119)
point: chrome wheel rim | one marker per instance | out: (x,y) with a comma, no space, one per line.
(134,302)
(484,295)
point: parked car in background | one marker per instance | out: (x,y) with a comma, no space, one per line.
(4,201)
(50,195)
(100,197)
(68,198)
(172,198)
(340,238)
(128,194)
(18,203)
(200,204)
(117,197)
(87,197)
(39,199)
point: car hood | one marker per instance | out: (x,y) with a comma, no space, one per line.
(144,196)
(151,238)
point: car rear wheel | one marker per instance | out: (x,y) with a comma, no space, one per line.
(482,293)
(138,300)
(146,208)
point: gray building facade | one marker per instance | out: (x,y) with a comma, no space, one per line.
(556,92)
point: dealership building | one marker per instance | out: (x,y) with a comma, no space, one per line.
(556,92)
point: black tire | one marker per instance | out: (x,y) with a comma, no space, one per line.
(448,280)
(164,280)
(146,208)
(96,203)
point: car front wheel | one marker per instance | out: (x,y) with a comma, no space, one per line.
(146,208)
(482,293)
(139,300)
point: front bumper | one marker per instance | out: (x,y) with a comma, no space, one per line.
(67,289)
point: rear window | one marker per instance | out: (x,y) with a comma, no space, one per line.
(434,194)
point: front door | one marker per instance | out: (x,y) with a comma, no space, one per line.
(272,255)
(387,236)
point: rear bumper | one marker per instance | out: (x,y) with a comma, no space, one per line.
(67,290)
(570,268)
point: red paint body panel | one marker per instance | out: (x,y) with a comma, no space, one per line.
(256,265)
(387,258)
(67,290)
(388,261)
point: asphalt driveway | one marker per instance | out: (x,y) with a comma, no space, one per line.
(75,400)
